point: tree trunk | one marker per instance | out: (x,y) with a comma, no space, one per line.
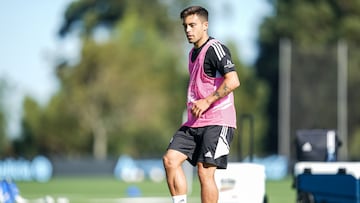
(100,142)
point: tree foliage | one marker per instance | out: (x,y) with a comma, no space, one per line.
(49,130)
(121,87)
(86,16)
(122,95)
(3,136)
(250,100)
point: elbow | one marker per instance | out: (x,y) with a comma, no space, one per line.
(232,80)
(236,81)
(236,84)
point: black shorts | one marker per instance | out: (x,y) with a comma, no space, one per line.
(210,144)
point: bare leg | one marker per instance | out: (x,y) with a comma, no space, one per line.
(175,176)
(209,190)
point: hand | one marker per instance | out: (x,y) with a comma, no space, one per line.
(199,107)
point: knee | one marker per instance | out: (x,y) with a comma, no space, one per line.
(173,159)
(168,161)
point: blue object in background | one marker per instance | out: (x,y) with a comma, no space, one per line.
(9,191)
(133,191)
(127,170)
(41,169)
(344,188)
(130,170)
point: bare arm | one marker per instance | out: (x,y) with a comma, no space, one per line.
(230,83)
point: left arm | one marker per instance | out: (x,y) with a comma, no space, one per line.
(230,83)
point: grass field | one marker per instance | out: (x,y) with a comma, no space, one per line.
(107,189)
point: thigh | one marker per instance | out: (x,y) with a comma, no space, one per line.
(183,142)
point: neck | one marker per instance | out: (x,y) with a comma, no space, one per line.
(201,42)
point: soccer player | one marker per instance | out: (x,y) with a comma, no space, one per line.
(204,139)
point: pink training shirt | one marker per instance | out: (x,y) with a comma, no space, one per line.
(221,112)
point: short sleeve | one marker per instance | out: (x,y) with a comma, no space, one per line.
(218,60)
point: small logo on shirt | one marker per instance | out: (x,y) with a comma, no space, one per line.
(208,154)
(229,64)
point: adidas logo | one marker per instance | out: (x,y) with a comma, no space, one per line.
(208,154)
(229,64)
(306,147)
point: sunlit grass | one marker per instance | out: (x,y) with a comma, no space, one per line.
(84,189)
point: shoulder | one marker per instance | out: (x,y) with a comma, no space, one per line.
(218,50)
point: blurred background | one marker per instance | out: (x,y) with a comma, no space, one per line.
(88,81)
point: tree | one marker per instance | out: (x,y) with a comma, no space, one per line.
(121,86)
(3,136)
(49,130)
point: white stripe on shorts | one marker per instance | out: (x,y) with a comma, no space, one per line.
(222,147)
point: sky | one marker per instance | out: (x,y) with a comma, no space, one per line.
(29,43)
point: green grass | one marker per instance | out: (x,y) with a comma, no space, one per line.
(83,189)
(281,191)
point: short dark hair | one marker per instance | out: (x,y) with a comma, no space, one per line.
(194,10)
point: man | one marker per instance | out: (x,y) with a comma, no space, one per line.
(204,139)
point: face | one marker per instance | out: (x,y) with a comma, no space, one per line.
(195,29)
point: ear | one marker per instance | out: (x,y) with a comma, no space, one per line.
(205,25)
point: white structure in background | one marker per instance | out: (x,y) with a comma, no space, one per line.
(241,182)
